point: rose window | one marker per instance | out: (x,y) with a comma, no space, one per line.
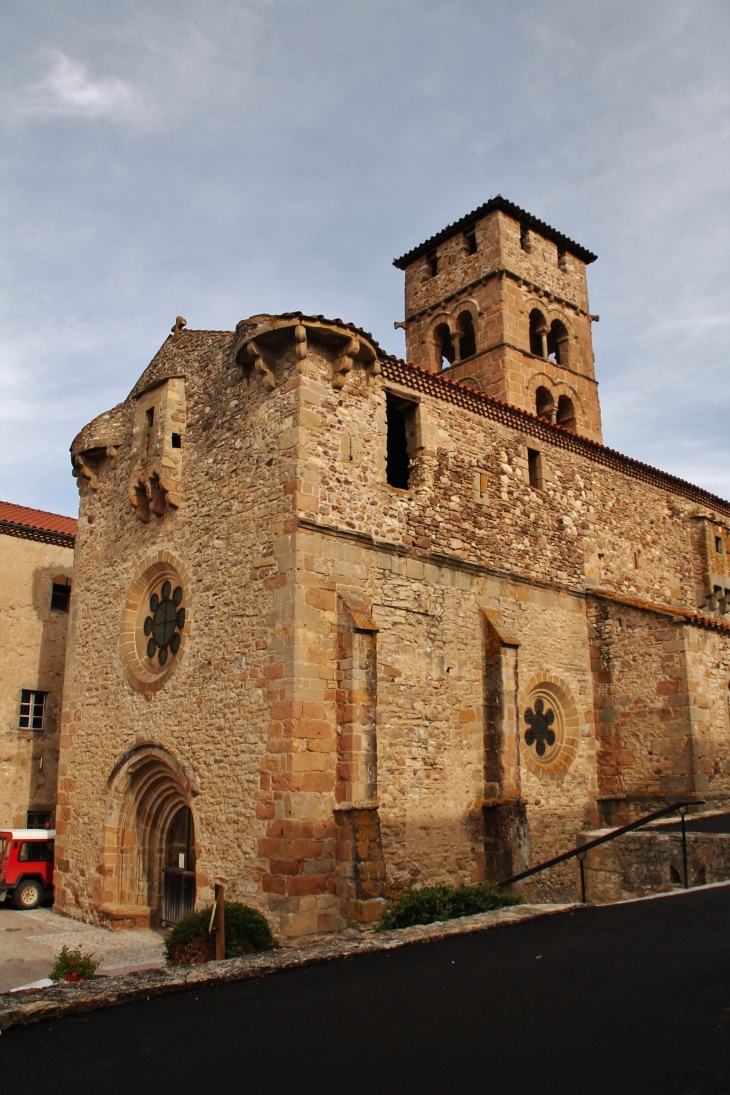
(538,731)
(165,622)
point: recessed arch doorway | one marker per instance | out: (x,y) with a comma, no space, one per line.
(150,837)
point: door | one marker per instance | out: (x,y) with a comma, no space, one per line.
(179,874)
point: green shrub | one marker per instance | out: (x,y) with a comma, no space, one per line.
(73,965)
(444,903)
(190,943)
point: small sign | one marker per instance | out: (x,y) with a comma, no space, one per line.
(181,861)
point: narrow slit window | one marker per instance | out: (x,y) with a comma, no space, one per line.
(432,262)
(150,413)
(32,710)
(534,468)
(176,441)
(718,545)
(399,414)
(60,597)
(470,239)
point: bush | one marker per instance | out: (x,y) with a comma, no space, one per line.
(74,966)
(190,943)
(444,903)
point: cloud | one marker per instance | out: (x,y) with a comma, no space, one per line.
(67,89)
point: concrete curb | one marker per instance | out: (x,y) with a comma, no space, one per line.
(32,1005)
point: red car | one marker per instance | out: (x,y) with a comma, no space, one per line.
(26,866)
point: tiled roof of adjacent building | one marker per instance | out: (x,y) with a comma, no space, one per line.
(504,206)
(36,524)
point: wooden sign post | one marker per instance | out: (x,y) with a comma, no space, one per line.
(220,922)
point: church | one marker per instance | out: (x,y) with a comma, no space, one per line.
(344,624)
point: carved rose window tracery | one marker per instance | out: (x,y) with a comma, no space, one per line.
(165,622)
(539,724)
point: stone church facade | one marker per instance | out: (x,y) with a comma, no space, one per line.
(343,624)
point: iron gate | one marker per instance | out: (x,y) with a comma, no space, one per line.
(178,895)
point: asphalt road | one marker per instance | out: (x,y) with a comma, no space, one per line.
(620,999)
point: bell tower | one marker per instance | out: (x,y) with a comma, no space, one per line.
(499,301)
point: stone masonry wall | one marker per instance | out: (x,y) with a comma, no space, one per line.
(33,641)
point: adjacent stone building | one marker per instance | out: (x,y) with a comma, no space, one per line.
(36,572)
(343,624)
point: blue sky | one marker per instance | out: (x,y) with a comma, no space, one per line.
(221,159)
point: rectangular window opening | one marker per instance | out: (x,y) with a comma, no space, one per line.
(534,467)
(483,483)
(433,264)
(176,441)
(471,242)
(32,710)
(400,414)
(718,545)
(150,412)
(38,819)
(60,597)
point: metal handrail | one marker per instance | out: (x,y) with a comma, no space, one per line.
(581,850)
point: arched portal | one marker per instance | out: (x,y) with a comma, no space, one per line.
(149,831)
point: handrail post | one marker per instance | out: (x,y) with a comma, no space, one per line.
(682,812)
(581,861)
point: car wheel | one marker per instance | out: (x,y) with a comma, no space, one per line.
(28,895)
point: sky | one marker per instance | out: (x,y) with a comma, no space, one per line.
(223,158)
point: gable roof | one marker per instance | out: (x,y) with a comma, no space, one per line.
(504,206)
(37,524)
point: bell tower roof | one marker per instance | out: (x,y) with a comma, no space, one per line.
(502,205)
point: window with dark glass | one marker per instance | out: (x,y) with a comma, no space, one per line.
(32,710)
(60,597)
(38,819)
(36,851)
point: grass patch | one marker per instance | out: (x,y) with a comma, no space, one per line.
(432,903)
(191,944)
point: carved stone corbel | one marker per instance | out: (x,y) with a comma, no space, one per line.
(260,365)
(300,347)
(342,365)
(85,471)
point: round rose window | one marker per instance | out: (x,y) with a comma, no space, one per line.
(155,621)
(164,623)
